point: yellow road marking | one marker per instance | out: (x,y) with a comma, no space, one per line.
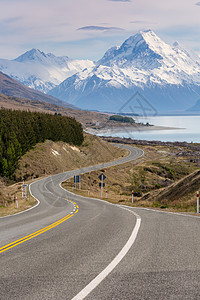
(36,233)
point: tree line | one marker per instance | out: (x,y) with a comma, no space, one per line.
(21,130)
(122,119)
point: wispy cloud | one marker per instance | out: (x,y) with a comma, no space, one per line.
(138,22)
(59,27)
(143,22)
(99,28)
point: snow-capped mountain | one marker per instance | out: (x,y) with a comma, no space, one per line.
(41,71)
(166,77)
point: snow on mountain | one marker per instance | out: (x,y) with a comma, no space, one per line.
(41,71)
(168,76)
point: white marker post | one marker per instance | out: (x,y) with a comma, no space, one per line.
(16,202)
(88,191)
(25,193)
(198,202)
(106,194)
(132,196)
(79,182)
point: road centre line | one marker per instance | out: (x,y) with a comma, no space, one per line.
(36,233)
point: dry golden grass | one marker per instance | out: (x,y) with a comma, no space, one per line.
(156,179)
(159,171)
(8,203)
(50,158)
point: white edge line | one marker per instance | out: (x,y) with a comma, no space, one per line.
(162,212)
(21,212)
(38,201)
(99,278)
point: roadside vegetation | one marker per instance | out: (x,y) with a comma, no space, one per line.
(21,130)
(167,177)
(50,158)
(122,119)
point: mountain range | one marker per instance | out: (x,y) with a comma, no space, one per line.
(41,71)
(144,75)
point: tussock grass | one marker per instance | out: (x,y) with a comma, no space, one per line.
(160,180)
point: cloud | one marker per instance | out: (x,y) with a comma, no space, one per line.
(99,28)
(143,22)
(138,22)
(59,27)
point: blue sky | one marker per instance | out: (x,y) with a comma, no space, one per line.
(87,28)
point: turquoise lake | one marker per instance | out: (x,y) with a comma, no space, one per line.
(188,129)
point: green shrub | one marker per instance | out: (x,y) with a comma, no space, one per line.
(122,119)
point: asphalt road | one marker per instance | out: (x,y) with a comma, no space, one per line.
(70,246)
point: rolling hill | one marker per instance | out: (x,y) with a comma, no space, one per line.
(13,88)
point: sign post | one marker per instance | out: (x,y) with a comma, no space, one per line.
(77,179)
(198,202)
(25,194)
(102,177)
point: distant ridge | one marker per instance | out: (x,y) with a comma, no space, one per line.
(42,71)
(11,87)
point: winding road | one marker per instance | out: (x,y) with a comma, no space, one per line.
(72,247)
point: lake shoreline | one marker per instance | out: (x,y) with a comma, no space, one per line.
(134,128)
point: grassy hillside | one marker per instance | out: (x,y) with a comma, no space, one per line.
(167,177)
(86,118)
(50,158)
(180,195)
(12,87)
(21,130)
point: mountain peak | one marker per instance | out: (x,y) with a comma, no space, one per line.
(146,37)
(142,46)
(32,55)
(37,56)
(176,44)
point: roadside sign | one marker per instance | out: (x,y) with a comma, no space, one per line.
(102,176)
(101,184)
(77,178)
(24,186)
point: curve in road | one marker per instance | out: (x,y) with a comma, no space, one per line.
(52,208)
(163,262)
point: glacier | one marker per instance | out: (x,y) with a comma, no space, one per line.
(41,71)
(168,77)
